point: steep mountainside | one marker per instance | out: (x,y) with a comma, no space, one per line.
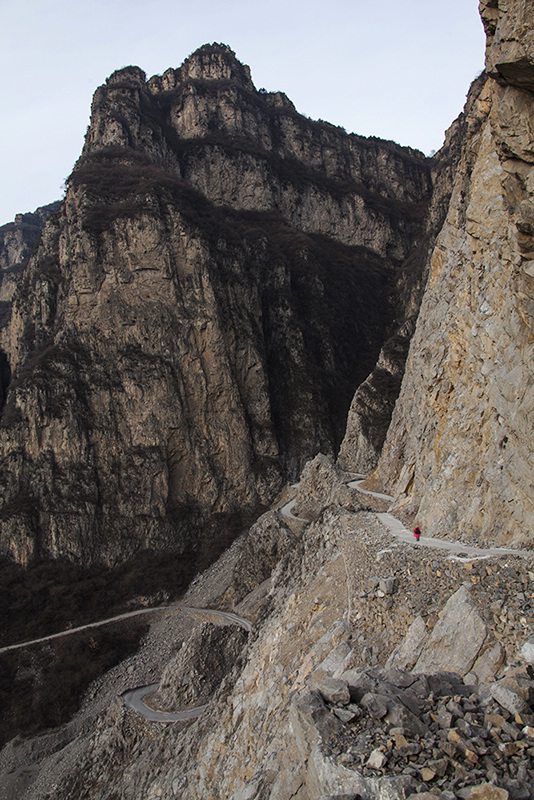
(191,329)
(459,449)
(372,405)
(374,669)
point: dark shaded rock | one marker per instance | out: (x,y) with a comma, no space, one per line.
(446,683)
(399,716)
(333,690)
(376,705)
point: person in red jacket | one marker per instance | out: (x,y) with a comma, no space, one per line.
(417,533)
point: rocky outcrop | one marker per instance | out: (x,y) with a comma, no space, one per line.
(457,453)
(17,241)
(510,53)
(193,324)
(322,484)
(196,671)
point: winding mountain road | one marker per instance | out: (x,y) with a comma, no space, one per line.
(87,627)
(287,511)
(224,615)
(461,550)
(134,698)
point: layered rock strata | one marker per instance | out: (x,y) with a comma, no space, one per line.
(192,327)
(458,451)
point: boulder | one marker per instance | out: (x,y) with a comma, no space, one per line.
(377,759)
(509,700)
(457,638)
(488,664)
(333,690)
(406,654)
(527,651)
(399,716)
(388,585)
(376,705)
(359,683)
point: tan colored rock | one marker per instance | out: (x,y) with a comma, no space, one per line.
(510,44)
(405,656)
(461,421)
(488,663)
(377,760)
(509,700)
(487,791)
(400,740)
(427,774)
(456,639)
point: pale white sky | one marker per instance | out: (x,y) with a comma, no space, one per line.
(398,70)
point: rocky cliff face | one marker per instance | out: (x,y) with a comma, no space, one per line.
(17,241)
(372,406)
(458,450)
(192,327)
(376,668)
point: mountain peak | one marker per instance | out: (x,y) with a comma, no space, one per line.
(132,74)
(215,62)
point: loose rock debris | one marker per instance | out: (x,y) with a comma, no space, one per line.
(447,736)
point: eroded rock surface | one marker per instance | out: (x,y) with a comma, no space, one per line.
(193,675)
(458,449)
(311,705)
(17,241)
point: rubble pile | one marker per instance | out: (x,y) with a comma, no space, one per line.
(445,735)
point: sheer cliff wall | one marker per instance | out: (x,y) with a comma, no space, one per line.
(17,241)
(459,450)
(219,279)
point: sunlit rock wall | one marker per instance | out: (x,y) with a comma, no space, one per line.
(459,450)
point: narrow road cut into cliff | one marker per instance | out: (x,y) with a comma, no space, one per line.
(399,531)
(208,612)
